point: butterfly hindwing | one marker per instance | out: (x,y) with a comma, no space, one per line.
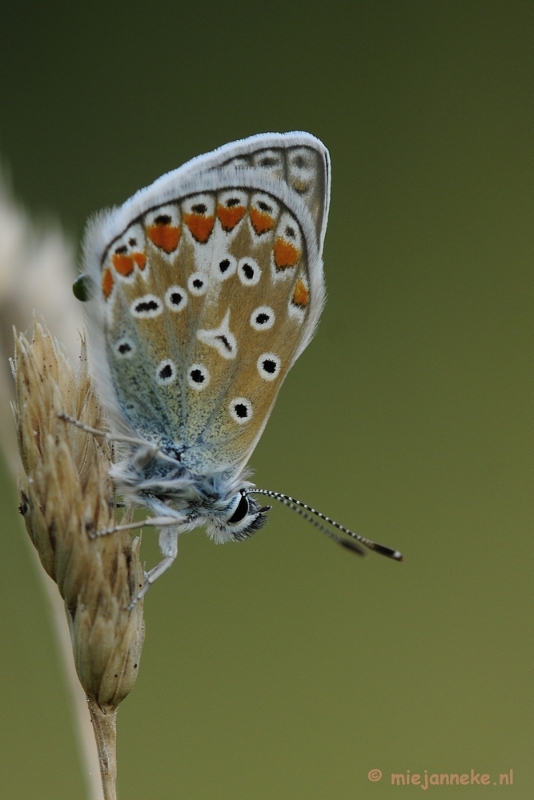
(206,299)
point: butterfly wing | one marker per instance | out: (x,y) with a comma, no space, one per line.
(209,284)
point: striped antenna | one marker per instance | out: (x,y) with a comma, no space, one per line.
(353,544)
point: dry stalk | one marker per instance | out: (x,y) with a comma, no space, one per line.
(67,496)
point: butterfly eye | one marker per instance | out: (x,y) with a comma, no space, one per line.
(241,511)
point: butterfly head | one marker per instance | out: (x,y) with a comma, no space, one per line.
(221,502)
(239,517)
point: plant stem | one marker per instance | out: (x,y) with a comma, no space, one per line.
(105,727)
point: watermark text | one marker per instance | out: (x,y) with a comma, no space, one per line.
(426,779)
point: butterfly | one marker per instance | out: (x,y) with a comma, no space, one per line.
(202,290)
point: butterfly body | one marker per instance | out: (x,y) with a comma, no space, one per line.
(204,289)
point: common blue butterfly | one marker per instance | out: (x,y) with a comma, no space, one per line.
(202,291)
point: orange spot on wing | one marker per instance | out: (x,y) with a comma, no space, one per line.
(301,295)
(261,221)
(229,217)
(123,264)
(107,282)
(200,226)
(140,259)
(165,236)
(285,254)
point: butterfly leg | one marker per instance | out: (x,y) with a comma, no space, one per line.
(154,522)
(110,437)
(168,542)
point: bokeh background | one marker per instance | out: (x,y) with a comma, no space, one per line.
(284,667)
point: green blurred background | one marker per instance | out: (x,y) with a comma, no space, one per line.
(283,667)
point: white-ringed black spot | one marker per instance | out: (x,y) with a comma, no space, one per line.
(124,348)
(197,284)
(199,208)
(240,410)
(232,201)
(165,372)
(176,298)
(198,377)
(263,206)
(262,318)
(268,366)
(249,271)
(290,231)
(132,242)
(121,250)
(146,307)
(226,267)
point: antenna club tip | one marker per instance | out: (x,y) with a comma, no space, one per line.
(397,556)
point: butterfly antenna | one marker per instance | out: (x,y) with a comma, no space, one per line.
(353,544)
